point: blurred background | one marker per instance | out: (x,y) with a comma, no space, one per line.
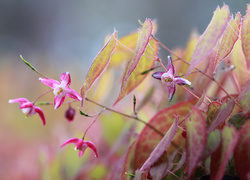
(57,36)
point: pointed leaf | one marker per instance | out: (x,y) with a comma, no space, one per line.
(210,37)
(222,114)
(219,159)
(142,42)
(245,36)
(196,139)
(99,64)
(244,99)
(136,77)
(162,146)
(228,39)
(148,139)
(242,152)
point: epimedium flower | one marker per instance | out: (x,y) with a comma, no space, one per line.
(70,114)
(28,108)
(170,79)
(62,89)
(81,145)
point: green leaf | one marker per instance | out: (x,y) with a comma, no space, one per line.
(219,159)
(99,64)
(238,120)
(196,139)
(210,37)
(138,63)
(242,152)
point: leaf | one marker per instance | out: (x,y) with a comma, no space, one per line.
(238,120)
(219,159)
(210,37)
(213,142)
(142,42)
(99,64)
(127,162)
(242,152)
(148,139)
(136,77)
(228,39)
(244,99)
(196,139)
(162,146)
(222,114)
(245,36)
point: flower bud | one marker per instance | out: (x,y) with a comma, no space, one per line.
(70,113)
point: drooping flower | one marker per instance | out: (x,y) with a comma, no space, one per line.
(170,79)
(81,145)
(70,114)
(61,90)
(28,108)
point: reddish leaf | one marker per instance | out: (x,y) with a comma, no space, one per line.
(244,99)
(127,162)
(181,162)
(162,146)
(222,114)
(228,39)
(142,42)
(99,64)
(212,109)
(148,139)
(196,139)
(242,152)
(210,37)
(245,36)
(219,159)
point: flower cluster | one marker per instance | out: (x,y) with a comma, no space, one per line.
(61,90)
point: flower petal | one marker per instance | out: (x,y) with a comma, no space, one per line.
(92,147)
(58,101)
(81,153)
(72,140)
(49,82)
(26,105)
(182,81)
(171,91)
(158,75)
(73,94)
(170,67)
(21,100)
(65,79)
(40,113)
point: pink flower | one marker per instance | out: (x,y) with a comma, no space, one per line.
(81,145)
(61,89)
(28,108)
(170,79)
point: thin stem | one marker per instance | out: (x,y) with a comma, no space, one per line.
(193,94)
(126,115)
(42,95)
(235,81)
(162,65)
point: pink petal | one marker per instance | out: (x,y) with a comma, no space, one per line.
(158,75)
(40,113)
(171,91)
(73,94)
(65,79)
(92,146)
(26,105)
(72,140)
(58,101)
(81,153)
(49,82)
(170,67)
(182,81)
(21,100)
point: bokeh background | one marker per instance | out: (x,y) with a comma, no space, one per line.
(57,36)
